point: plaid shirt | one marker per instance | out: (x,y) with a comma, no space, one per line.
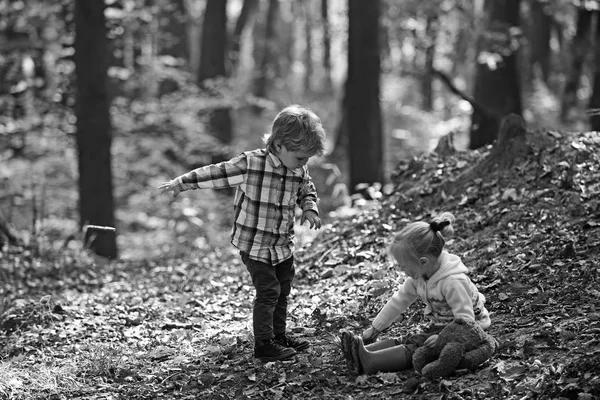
(265,201)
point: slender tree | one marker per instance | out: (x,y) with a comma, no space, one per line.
(540,35)
(431,34)
(94,130)
(308,35)
(212,62)
(361,101)
(595,97)
(326,44)
(266,57)
(497,84)
(248,8)
(579,49)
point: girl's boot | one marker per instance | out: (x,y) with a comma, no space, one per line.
(382,356)
(389,359)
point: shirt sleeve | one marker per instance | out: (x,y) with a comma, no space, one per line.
(215,176)
(396,305)
(457,293)
(307,194)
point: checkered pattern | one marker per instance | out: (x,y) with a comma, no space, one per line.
(265,200)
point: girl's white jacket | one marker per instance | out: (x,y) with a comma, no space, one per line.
(447,295)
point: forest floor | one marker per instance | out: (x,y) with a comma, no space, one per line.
(178,326)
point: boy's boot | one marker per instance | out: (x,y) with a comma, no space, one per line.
(390,359)
(290,342)
(269,350)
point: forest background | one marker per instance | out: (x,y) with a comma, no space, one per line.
(102,101)
(207,78)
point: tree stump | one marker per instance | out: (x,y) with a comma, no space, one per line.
(510,147)
(98,239)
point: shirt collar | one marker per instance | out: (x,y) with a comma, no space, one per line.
(274,160)
(276,163)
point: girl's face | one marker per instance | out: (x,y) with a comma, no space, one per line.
(292,159)
(412,265)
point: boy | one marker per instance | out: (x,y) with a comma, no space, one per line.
(269,183)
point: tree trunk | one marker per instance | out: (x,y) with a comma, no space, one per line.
(212,53)
(248,8)
(510,147)
(148,52)
(540,39)
(497,85)
(212,63)
(94,131)
(194,11)
(363,113)
(431,32)
(595,97)
(327,84)
(579,49)
(173,28)
(266,66)
(308,32)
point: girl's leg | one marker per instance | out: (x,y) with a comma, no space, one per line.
(382,344)
(361,359)
(388,359)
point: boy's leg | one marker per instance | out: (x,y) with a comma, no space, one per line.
(285,275)
(285,272)
(268,289)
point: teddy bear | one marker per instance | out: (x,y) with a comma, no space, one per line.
(461,344)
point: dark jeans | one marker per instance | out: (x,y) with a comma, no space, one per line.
(273,284)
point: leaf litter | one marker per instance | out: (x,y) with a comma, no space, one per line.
(180,328)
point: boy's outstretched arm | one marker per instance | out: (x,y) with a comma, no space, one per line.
(170,186)
(214,176)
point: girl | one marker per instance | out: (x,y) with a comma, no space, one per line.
(438,278)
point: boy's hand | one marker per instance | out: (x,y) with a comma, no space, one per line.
(431,340)
(312,217)
(170,186)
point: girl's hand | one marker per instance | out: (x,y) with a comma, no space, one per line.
(369,335)
(312,217)
(170,186)
(431,340)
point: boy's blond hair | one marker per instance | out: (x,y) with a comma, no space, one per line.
(298,129)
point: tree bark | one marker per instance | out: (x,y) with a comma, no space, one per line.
(212,56)
(540,39)
(327,84)
(431,32)
(248,8)
(266,65)
(94,130)
(173,28)
(363,113)
(594,104)
(308,35)
(497,84)
(579,49)
(510,147)
(212,63)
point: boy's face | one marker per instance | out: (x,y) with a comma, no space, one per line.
(292,159)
